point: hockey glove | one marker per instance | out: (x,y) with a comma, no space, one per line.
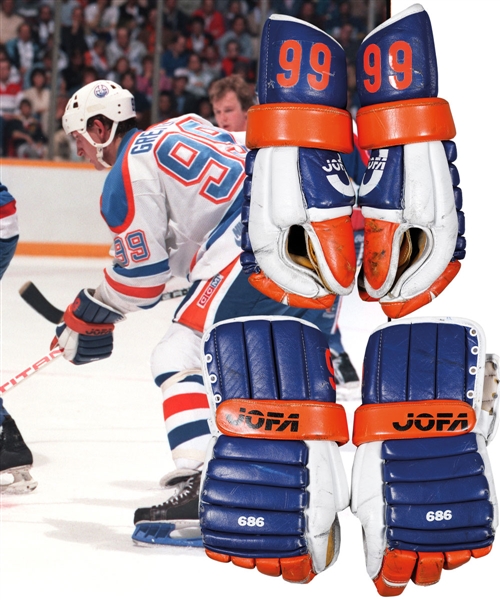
(409,196)
(422,484)
(274,480)
(297,242)
(86,332)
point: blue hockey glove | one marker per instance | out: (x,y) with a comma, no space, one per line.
(298,244)
(409,195)
(422,485)
(274,480)
(86,332)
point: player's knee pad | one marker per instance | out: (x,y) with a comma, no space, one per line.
(422,484)
(273,481)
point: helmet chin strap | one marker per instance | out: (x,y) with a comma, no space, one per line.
(100,147)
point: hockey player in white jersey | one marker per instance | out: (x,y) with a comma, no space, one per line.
(172,200)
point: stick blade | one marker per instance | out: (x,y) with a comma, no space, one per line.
(34,297)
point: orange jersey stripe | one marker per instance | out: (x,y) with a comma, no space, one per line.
(283,419)
(407,420)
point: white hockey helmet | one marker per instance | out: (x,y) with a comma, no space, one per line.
(101,97)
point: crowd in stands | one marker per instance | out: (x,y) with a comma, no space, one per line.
(202,41)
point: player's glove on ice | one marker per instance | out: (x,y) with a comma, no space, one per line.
(409,195)
(86,332)
(274,480)
(298,245)
(422,484)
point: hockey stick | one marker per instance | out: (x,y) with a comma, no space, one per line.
(34,297)
(31,370)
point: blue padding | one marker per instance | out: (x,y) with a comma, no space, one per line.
(421,448)
(285,452)
(258,473)
(458,537)
(419,361)
(383,167)
(433,469)
(442,547)
(407,41)
(263,546)
(324,179)
(461,489)
(224,493)
(467,514)
(262,359)
(312,87)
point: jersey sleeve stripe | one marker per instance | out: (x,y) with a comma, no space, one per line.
(7,210)
(136,292)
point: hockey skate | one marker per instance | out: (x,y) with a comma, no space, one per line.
(15,460)
(176,521)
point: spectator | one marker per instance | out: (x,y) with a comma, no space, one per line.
(46,64)
(121,66)
(144,81)
(256,18)
(26,133)
(99,59)
(175,19)
(43,27)
(142,103)
(239,33)
(213,19)
(286,7)
(39,95)
(124,45)
(10,91)
(198,79)
(28,10)
(176,56)
(166,108)
(234,7)
(132,14)
(184,101)
(64,145)
(346,37)
(211,62)
(72,75)
(23,52)
(9,21)
(67,7)
(205,110)
(234,61)
(73,36)
(101,19)
(308,13)
(198,39)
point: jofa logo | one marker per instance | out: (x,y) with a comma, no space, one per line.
(439,422)
(271,420)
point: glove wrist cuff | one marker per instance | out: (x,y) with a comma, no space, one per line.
(302,125)
(283,420)
(80,326)
(404,122)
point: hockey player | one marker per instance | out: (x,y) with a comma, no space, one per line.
(172,200)
(16,458)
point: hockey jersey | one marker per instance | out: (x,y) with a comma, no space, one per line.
(172,201)
(9,228)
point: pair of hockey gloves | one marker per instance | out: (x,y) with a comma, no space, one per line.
(86,330)
(273,480)
(298,243)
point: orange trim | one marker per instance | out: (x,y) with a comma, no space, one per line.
(133,291)
(409,420)
(80,326)
(396,310)
(46,164)
(404,122)
(305,125)
(429,568)
(283,419)
(397,569)
(63,249)
(265,285)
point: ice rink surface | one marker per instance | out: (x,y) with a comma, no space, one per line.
(97,435)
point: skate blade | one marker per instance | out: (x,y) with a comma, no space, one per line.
(22,482)
(182,533)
